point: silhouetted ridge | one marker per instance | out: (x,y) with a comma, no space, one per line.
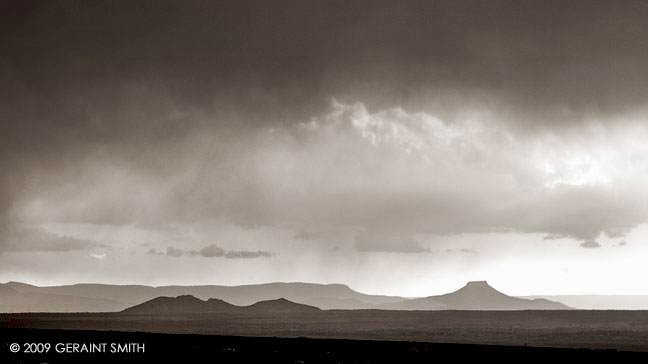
(187,304)
(181,304)
(281,305)
(18,285)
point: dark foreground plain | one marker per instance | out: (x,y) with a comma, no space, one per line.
(617,330)
(188,348)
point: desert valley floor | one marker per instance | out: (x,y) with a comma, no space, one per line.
(619,330)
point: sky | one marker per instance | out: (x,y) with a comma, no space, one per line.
(401,148)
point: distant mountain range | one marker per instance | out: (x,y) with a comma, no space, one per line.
(20,297)
(474,296)
(14,299)
(189,304)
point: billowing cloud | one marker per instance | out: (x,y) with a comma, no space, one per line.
(410,172)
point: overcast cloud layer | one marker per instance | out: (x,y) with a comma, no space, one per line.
(295,129)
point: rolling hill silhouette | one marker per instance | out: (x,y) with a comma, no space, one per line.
(476,295)
(187,304)
(280,305)
(181,304)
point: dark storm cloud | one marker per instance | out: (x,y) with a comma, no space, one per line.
(92,85)
(70,64)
